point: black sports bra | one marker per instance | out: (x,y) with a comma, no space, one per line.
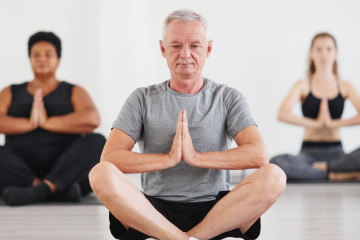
(311,105)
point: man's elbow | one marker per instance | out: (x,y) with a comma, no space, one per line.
(260,158)
(104,158)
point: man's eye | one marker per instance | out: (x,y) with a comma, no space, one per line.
(195,46)
(175,46)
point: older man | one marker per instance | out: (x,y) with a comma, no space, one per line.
(184,127)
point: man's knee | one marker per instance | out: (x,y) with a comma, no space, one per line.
(273,180)
(102,178)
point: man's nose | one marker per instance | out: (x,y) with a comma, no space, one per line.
(185,52)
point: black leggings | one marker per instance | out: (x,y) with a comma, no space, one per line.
(71,166)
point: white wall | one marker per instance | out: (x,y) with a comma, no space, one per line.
(111,47)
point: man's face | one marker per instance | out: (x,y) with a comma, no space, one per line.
(185,48)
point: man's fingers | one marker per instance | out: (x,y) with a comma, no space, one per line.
(179,125)
(185,124)
(176,151)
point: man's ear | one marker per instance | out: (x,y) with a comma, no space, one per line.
(209,48)
(162,49)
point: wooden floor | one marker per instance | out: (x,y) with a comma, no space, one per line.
(329,211)
(304,212)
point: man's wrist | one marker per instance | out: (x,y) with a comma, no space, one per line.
(196,159)
(169,161)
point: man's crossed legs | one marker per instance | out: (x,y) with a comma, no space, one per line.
(240,208)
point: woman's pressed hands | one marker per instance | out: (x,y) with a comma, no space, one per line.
(38,115)
(324,119)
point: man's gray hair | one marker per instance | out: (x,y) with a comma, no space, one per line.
(185,15)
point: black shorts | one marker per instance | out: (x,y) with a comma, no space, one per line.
(183,215)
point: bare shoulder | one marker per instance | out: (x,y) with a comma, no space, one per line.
(5,99)
(80,94)
(6,90)
(81,99)
(346,84)
(302,86)
(5,94)
(79,90)
(302,83)
(346,88)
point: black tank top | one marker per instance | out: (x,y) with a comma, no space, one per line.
(311,105)
(40,143)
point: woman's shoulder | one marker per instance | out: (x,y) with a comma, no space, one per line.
(6,91)
(66,84)
(302,86)
(18,85)
(15,88)
(5,99)
(72,87)
(346,87)
(345,83)
(78,93)
(302,83)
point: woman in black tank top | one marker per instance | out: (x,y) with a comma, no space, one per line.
(49,145)
(322,96)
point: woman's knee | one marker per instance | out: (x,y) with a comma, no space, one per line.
(279,159)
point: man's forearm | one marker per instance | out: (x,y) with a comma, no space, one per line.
(133,162)
(243,157)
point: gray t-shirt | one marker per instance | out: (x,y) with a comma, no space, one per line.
(215,115)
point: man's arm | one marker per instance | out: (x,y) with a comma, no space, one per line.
(118,148)
(250,153)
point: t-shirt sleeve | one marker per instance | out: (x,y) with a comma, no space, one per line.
(130,118)
(238,116)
